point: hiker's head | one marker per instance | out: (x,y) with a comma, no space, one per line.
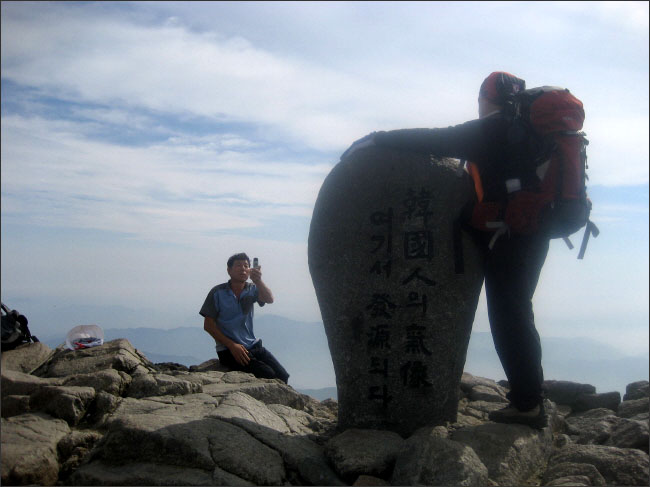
(240,256)
(239,267)
(495,91)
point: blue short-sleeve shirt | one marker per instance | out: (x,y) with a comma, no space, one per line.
(233,316)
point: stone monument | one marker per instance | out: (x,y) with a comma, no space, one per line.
(397,312)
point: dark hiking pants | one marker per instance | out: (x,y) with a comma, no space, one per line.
(512,269)
(262,364)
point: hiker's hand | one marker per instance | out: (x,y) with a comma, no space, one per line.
(256,274)
(363,142)
(240,353)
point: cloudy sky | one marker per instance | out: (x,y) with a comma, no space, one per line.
(144,143)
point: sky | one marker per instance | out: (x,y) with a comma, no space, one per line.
(143,143)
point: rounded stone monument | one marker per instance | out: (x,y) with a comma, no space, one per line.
(397,310)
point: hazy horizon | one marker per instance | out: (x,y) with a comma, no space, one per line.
(303,349)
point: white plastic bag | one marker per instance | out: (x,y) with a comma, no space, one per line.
(84,336)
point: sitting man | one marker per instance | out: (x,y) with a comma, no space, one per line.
(228,318)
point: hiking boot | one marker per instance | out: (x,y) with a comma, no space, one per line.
(535,418)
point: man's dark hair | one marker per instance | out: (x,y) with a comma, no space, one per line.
(240,256)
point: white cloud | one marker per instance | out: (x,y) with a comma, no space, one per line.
(56,178)
(618,151)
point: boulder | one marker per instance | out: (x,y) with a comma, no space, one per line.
(211,365)
(512,453)
(396,312)
(240,408)
(27,357)
(565,392)
(181,432)
(633,407)
(15,383)
(67,403)
(117,354)
(432,460)
(29,449)
(585,402)
(14,405)
(147,385)
(369,480)
(618,466)
(74,449)
(629,433)
(302,456)
(637,390)
(563,473)
(487,394)
(603,427)
(138,473)
(363,452)
(107,380)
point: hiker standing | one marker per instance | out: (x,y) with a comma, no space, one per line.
(228,318)
(513,262)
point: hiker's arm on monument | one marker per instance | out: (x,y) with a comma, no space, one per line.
(237,350)
(469,140)
(464,141)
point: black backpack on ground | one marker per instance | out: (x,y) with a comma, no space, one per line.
(14,329)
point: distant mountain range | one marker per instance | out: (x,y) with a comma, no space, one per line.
(302,348)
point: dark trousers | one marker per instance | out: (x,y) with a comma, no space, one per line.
(262,364)
(512,269)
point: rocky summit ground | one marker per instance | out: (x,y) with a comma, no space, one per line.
(108,416)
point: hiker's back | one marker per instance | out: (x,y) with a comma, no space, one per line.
(544,173)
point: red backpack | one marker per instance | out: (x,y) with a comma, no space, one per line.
(549,193)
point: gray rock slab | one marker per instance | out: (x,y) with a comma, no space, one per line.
(369,480)
(179,431)
(29,449)
(100,473)
(274,391)
(637,390)
(15,383)
(629,433)
(239,408)
(299,453)
(593,426)
(27,357)
(609,400)
(14,405)
(156,384)
(566,392)
(512,453)
(117,354)
(212,365)
(69,403)
(397,315)
(603,427)
(356,452)
(432,460)
(469,382)
(633,407)
(618,466)
(570,470)
(241,454)
(487,394)
(74,449)
(107,380)
(571,481)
